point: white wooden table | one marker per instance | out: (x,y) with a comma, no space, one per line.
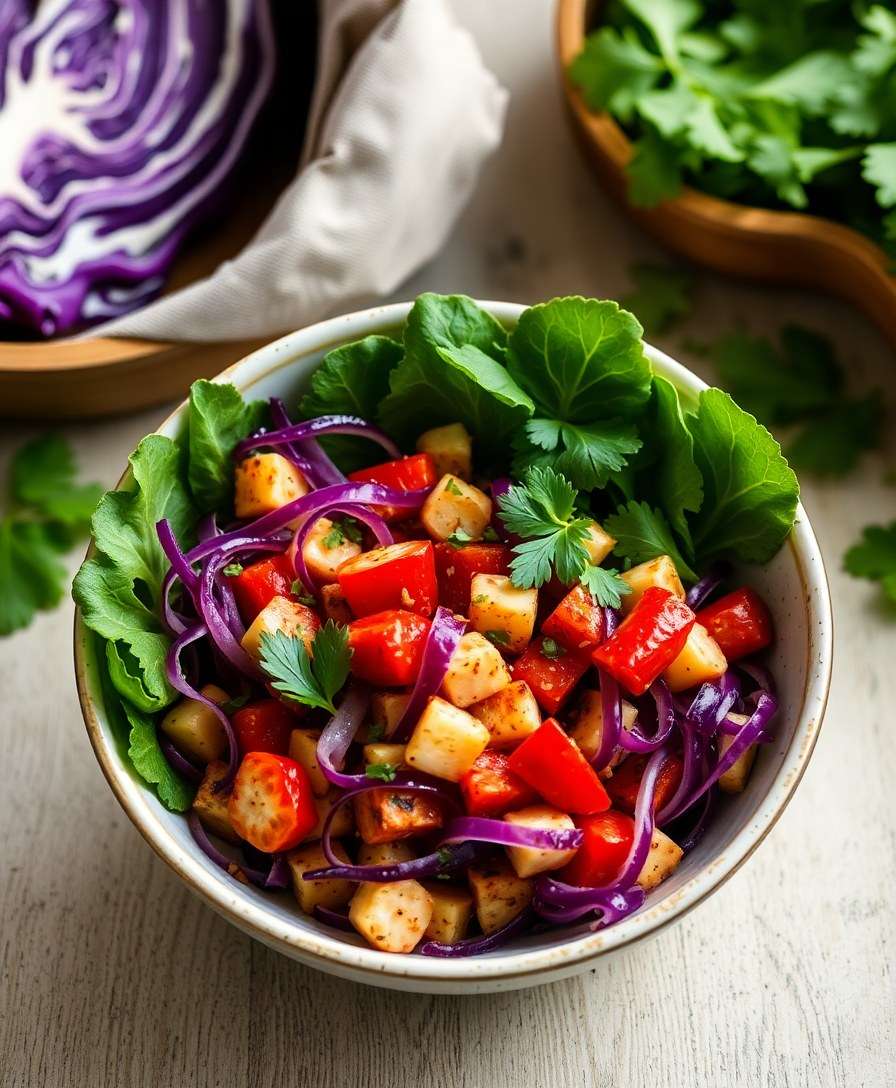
(111,973)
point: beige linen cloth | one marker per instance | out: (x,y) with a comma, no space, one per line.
(403,115)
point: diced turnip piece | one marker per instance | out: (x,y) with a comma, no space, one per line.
(499,895)
(659,572)
(281,614)
(210,805)
(391,917)
(661,862)
(452,505)
(735,778)
(509,715)
(265,482)
(451,449)
(598,544)
(387,815)
(383,752)
(303,749)
(343,822)
(529,860)
(332,894)
(700,660)
(452,909)
(445,741)
(325,549)
(334,605)
(588,730)
(386,709)
(476,671)
(195,729)
(385,853)
(502,612)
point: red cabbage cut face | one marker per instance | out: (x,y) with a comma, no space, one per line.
(119,122)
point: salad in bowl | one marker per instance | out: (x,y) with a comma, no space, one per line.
(461,645)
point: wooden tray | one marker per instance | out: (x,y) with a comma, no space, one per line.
(780,247)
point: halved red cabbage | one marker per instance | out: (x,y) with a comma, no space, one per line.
(119,122)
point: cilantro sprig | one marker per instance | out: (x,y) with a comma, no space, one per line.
(874,557)
(311,679)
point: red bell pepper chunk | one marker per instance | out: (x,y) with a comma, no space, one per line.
(407,474)
(626,781)
(554,766)
(740,622)
(607,839)
(490,788)
(455,568)
(397,576)
(264,726)
(551,679)
(271,805)
(387,648)
(647,641)
(577,622)
(257,585)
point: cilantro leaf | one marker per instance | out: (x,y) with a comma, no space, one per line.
(218,419)
(498,637)
(614,71)
(42,476)
(654,172)
(642,533)
(662,295)
(31,576)
(149,762)
(384,772)
(588,454)
(580,360)
(831,443)
(312,679)
(605,586)
(460,538)
(879,168)
(552,649)
(806,83)
(874,557)
(666,21)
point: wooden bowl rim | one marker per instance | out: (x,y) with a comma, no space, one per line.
(71,354)
(729,216)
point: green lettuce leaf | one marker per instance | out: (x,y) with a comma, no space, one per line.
(149,762)
(219,418)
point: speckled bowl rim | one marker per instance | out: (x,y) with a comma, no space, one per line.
(507,968)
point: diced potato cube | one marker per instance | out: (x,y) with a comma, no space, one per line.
(325,549)
(195,729)
(735,778)
(380,752)
(598,544)
(588,728)
(332,894)
(387,708)
(659,572)
(529,860)
(509,715)
(451,449)
(453,504)
(303,749)
(476,671)
(385,853)
(446,741)
(334,605)
(210,805)
(452,909)
(391,917)
(661,862)
(343,822)
(387,815)
(265,482)
(281,614)
(502,612)
(499,895)
(700,660)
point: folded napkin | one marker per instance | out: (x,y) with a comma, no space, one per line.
(402,117)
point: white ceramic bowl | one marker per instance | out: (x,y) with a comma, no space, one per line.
(795,586)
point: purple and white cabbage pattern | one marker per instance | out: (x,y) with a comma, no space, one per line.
(119,122)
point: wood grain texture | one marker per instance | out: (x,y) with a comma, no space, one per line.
(111,974)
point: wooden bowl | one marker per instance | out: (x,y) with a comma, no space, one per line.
(778,247)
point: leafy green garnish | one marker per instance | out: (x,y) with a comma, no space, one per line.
(662,295)
(489,535)
(219,418)
(642,533)
(587,455)
(874,557)
(498,637)
(150,763)
(233,570)
(311,679)
(375,731)
(460,538)
(340,531)
(297,589)
(605,586)
(384,772)
(551,649)
(451,487)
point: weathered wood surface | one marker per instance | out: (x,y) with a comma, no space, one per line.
(111,973)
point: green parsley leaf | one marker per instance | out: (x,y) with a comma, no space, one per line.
(879,168)
(384,772)
(312,680)
(481,598)
(31,576)
(585,455)
(498,638)
(831,444)
(42,476)
(232,570)
(375,731)
(614,71)
(460,538)
(218,419)
(489,535)
(297,589)
(653,172)
(335,536)
(451,487)
(236,703)
(551,649)
(642,534)
(874,557)
(445,855)
(605,586)
(662,295)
